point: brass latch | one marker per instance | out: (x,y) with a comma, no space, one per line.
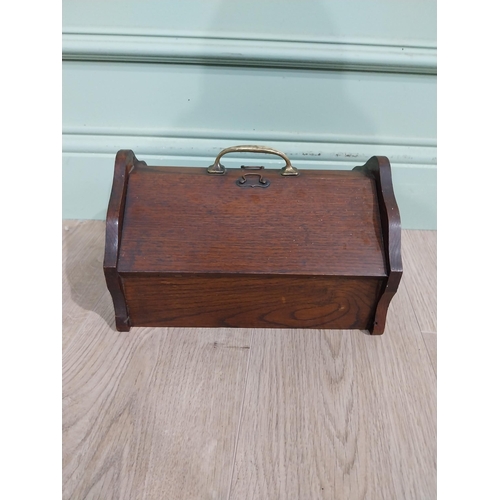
(248,178)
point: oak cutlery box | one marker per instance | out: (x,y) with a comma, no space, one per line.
(252,247)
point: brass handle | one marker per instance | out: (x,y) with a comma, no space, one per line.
(218,168)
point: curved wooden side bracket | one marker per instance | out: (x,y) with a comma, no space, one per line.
(125,162)
(379,168)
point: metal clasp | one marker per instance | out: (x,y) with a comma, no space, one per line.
(246,179)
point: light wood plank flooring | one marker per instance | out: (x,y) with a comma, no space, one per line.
(178,413)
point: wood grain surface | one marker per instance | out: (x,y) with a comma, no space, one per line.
(254,301)
(333,415)
(185,220)
(430,340)
(379,168)
(84,287)
(168,223)
(185,413)
(419,252)
(125,162)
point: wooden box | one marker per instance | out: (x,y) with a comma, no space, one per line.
(252,247)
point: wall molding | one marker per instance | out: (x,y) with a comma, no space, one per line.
(246,135)
(319,55)
(200,149)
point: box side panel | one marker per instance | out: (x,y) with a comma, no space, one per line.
(252,301)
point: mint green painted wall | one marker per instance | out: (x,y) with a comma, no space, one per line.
(329,83)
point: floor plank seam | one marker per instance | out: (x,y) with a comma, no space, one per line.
(428,351)
(419,329)
(430,357)
(419,258)
(411,304)
(417,319)
(240,417)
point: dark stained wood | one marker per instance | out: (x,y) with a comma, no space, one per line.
(185,248)
(379,168)
(185,220)
(253,301)
(125,162)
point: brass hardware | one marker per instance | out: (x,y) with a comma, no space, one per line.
(218,168)
(252,167)
(243,181)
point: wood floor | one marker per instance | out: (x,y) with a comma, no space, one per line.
(179,413)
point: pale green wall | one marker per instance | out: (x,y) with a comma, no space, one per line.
(330,83)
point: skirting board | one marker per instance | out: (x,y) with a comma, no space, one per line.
(87,180)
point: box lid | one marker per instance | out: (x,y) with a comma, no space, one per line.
(183,220)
